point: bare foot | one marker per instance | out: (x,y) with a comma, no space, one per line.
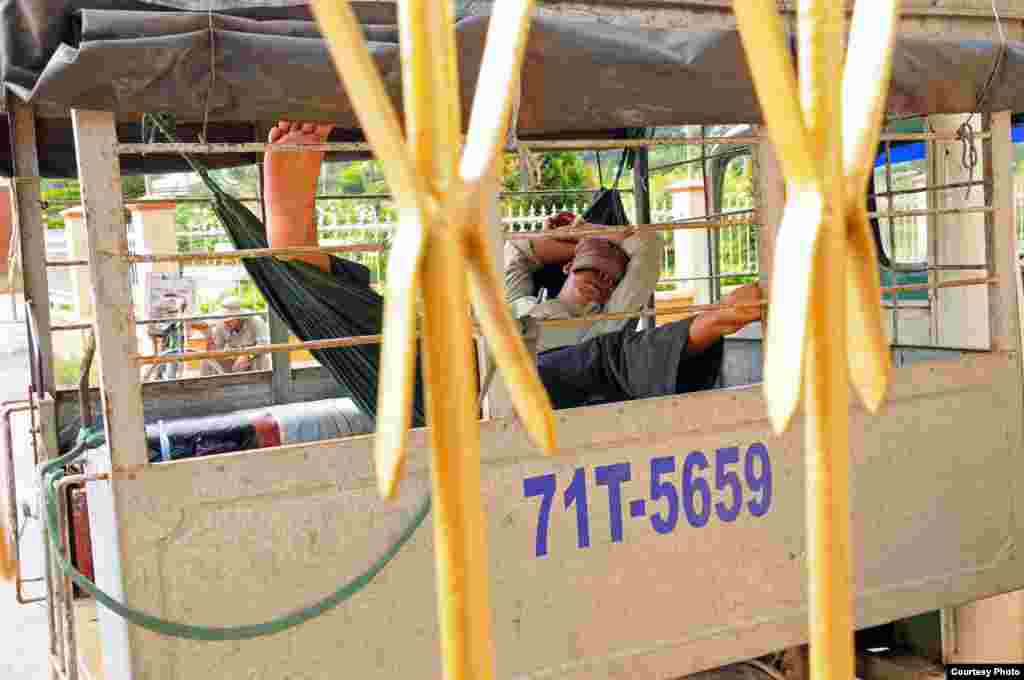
(289,179)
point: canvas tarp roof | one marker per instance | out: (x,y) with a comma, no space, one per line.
(267,61)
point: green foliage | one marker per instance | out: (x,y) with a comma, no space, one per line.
(133,186)
(67,370)
(62,194)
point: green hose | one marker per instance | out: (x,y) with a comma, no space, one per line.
(51,473)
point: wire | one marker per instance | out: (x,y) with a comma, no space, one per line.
(52,472)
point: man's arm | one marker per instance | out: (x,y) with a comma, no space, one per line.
(645,251)
(520,264)
(554,251)
(710,327)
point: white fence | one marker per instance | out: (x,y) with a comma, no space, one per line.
(62,293)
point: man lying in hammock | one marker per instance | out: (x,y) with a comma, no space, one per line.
(610,274)
(683,356)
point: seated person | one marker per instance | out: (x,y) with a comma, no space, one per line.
(682,356)
(231,334)
(605,275)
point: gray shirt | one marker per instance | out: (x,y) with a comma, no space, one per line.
(645,251)
(252,332)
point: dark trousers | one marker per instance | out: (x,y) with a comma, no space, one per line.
(628,365)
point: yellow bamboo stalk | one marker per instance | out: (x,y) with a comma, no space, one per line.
(869,62)
(460,544)
(531,400)
(820,25)
(797,238)
(499,72)
(488,130)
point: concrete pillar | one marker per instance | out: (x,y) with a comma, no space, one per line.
(961,313)
(78,249)
(691,246)
(152,230)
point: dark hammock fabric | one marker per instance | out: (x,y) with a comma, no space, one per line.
(606,209)
(316,305)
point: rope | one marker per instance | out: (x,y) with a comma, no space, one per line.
(52,472)
(965,133)
(969,152)
(213,73)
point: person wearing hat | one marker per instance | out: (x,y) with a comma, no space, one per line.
(605,275)
(606,362)
(236,333)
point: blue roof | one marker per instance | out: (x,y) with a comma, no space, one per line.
(914,151)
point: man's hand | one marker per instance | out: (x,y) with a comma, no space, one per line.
(732,320)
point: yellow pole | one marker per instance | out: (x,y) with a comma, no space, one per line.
(826,382)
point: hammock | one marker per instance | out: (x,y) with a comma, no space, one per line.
(314,304)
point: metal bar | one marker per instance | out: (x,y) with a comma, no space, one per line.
(641,193)
(913,269)
(187,198)
(68,598)
(67,263)
(377,247)
(81,326)
(569,144)
(789,7)
(280,362)
(930,188)
(53,596)
(936,211)
(642,202)
(726,214)
(84,325)
(539,145)
(709,277)
(250,253)
(892,240)
(144,360)
(7,438)
(697,159)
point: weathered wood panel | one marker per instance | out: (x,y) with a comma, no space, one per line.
(240,538)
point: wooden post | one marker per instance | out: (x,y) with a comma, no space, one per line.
(46,449)
(280,362)
(771,199)
(1000,238)
(32,233)
(642,203)
(641,190)
(498,400)
(116,344)
(992,630)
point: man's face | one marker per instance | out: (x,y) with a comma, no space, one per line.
(595,270)
(233,325)
(588,287)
